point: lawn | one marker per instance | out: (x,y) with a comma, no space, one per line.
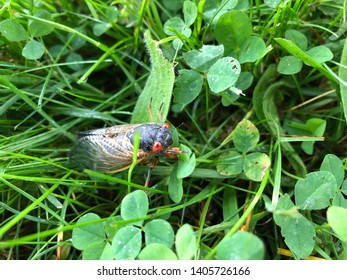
(253,165)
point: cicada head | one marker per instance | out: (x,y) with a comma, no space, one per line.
(154,138)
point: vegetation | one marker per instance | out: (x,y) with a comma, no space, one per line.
(256,95)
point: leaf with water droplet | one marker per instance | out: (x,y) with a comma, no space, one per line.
(126,244)
(289,65)
(13,31)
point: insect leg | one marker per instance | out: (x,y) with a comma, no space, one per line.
(159,112)
(151,166)
(150,110)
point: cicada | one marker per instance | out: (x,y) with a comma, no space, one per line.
(111,149)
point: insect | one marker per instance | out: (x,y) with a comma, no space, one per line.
(111,149)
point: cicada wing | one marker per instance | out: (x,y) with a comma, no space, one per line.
(104,150)
(118,130)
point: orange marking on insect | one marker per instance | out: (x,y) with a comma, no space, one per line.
(157,147)
(167,125)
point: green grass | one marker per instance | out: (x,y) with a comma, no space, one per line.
(96,70)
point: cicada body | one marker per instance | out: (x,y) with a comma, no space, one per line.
(111,149)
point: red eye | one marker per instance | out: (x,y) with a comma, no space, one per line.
(157,147)
(166,125)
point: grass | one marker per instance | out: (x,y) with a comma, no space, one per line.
(95,71)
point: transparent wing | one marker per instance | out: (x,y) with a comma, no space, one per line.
(104,150)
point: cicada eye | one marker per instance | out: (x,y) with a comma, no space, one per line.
(157,147)
(166,125)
